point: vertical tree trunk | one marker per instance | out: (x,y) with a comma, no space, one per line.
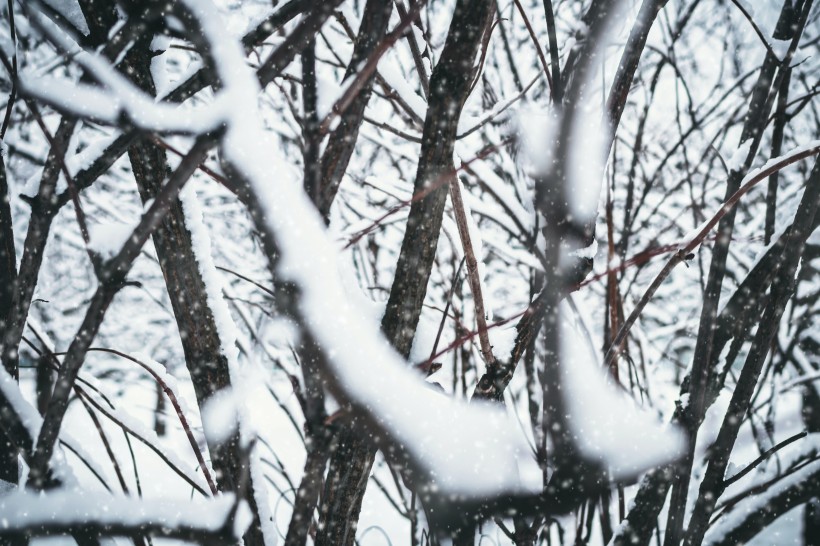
(8,281)
(811,418)
(342,141)
(186,289)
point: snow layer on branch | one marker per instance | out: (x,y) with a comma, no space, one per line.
(536,128)
(119,97)
(608,426)
(201,242)
(327,90)
(587,160)
(226,411)
(391,73)
(27,414)
(797,150)
(456,444)
(738,158)
(743,511)
(30,419)
(108,238)
(588,252)
(220,415)
(25,510)
(92,151)
(70,9)
(503,339)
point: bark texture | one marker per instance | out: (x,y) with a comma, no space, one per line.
(186,290)
(8,280)
(342,140)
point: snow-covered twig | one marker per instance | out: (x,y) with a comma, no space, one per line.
(217,521)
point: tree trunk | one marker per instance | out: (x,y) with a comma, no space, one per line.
(201,344)
(342,141)
(811,418)
(8,280)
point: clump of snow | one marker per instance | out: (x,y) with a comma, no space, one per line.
(391,73)
(220,416)
(372,311)
(738,159)
(242,519)
(31,421)
(92,151)
(7,487)
(424,337)
(780,48)
(587,252)
(327,92)
(503,340)
(536,128)
(27,510)
(70,9)
(589,139)
(731,470)
(108,238)
(608,426)
(32,184)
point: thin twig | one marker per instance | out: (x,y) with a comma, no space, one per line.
(473,274)
(538,48)
(763,456)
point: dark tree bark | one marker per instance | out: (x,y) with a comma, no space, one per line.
(43,212)
(629,62)
(342,141)
(8,280)
(8,255)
